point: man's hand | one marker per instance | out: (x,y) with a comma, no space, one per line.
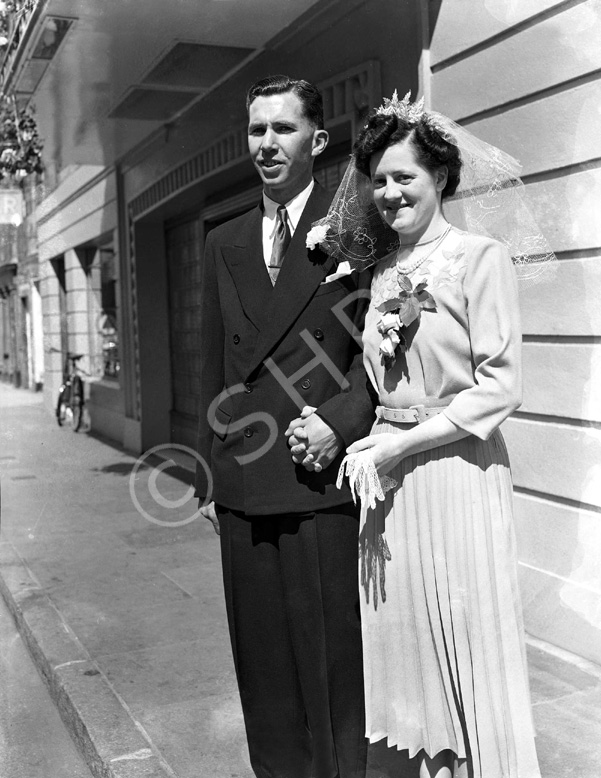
(313,443)
(208,511)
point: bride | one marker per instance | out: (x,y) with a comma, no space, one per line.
(444,657)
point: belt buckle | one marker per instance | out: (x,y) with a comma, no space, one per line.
(420,410)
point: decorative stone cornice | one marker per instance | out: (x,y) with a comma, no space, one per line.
(347,98)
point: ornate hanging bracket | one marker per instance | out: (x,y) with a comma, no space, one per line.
(11,12)
(20,145)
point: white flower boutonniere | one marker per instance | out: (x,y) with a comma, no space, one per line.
(316,236)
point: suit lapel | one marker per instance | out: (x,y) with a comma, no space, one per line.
(297,281)
(244,259)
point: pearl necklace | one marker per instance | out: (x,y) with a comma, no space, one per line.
(423,242)
(409,267)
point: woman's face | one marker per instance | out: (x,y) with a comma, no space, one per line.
(406,194)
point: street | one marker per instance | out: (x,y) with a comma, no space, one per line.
(123,608)
(33,740)
(127,615)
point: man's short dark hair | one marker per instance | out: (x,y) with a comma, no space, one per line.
(307,93)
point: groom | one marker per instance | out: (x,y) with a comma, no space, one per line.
(273,341)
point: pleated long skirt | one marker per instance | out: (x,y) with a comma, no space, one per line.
(444,653)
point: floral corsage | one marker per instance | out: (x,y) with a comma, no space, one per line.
(400,312)
(317,236)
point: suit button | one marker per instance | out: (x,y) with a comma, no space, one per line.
(318,334)
(248,433)
(306,383)
(236,339)
(248,388)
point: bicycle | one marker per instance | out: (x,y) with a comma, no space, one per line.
(69,406)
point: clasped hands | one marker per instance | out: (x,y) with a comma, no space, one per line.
(313,443)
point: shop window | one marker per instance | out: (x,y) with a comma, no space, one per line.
(108,317)
(58,265)
(100,266)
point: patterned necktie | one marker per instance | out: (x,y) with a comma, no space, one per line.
(281,239)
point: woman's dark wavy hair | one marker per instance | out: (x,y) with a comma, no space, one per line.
(433,151)
(307,93)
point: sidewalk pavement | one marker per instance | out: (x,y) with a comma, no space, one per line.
(33,740)
(122,610)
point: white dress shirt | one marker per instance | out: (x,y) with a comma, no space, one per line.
(294,209)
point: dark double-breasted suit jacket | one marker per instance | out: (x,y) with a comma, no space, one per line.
(288,541)
(253,334)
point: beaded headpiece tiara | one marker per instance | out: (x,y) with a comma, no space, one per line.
(404,109)
(413,113)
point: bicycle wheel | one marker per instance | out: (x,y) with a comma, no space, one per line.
(61,407)
(77,404)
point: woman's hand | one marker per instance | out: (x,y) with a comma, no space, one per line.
(389,448)
(386,450)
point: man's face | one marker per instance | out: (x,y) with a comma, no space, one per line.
(283,144)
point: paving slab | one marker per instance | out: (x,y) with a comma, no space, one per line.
(566,699)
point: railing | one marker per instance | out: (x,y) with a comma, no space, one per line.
(19,17)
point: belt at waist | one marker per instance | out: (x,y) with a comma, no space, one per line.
(413,415)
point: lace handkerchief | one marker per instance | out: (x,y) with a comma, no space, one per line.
(364,479)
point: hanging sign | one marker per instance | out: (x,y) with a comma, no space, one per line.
(11,206)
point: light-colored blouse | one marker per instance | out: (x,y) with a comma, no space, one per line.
(466,354)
